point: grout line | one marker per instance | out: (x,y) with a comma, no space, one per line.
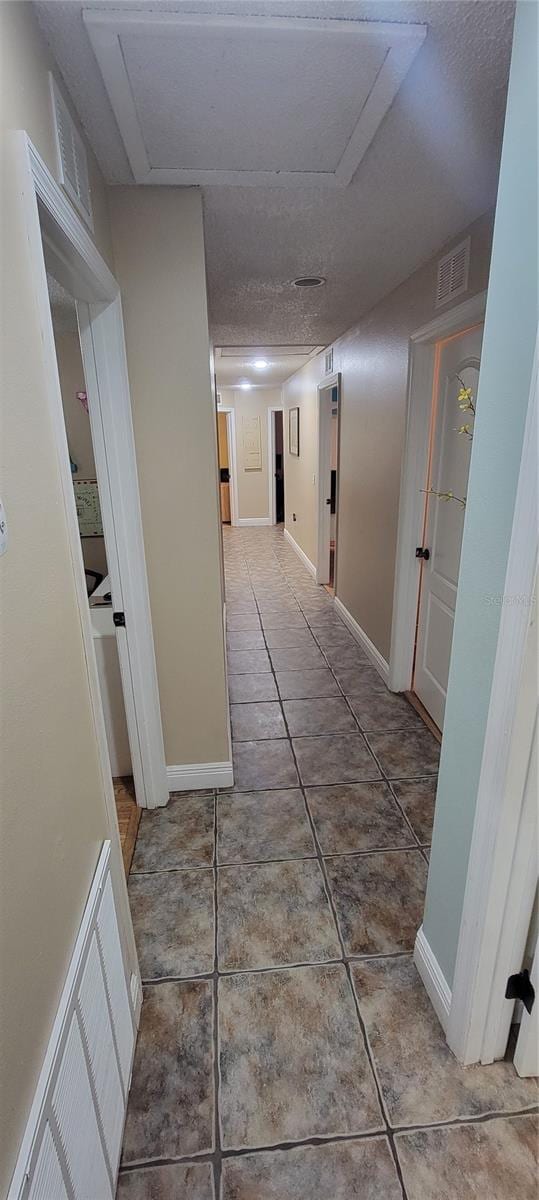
(321,1140)
(362,1028)
(288,966)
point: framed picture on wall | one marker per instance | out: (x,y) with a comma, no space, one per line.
(293,431)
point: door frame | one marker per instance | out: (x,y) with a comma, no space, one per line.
(414,479)
(231,439)
(324,452)
(272,502)
(494,889)
(52,222)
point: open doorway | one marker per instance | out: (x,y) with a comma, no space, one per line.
(276,465)
(97,576)
(328,481)
(444,356)
(92,427)
(456,369)
(224,467)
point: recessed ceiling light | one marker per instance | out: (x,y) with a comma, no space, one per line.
(309,281)
(246,386)
(260,364)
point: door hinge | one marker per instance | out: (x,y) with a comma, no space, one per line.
(422,552)
(520,987)
(118,618)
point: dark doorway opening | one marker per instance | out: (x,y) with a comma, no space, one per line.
(279,468)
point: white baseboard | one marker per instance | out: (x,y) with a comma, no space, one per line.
(254,521)
(377,660)
(301,553)
(434,981)
(87,1065)
(192,777)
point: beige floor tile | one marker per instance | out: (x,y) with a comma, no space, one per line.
(350,1170)
(292,1060)
(178,1181)
(420,1078)
(173,920)
(254,826)
(356,816)
(379,899)
(180,835)
(493,1160)
(170,1110)
(274,915)
(262,765)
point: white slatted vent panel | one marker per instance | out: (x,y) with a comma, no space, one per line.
(100,1049)
(328,361)
(453,271)
(115,981)
(72,1143)
(48,1182)
(72,157)
(74,1110)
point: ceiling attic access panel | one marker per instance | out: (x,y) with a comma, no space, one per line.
(203,99)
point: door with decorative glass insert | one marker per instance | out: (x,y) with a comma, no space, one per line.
(456,364)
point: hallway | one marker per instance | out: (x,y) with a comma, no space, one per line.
(289,906)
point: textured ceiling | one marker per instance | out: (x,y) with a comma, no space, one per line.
(430,170)
(201,98)
(234,364)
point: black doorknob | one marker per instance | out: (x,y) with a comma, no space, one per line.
(422,552)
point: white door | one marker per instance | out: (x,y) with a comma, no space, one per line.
(457,360)
(103,355)
(526,1057)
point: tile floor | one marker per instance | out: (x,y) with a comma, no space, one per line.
(287,1050)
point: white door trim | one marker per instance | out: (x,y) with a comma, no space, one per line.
(231,438)
(415,462)
(496,829)
(324,450)
(272,501)
(526,1057)
(103,349)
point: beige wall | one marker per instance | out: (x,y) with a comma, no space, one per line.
(373,360)
(79,436)
(300,391)
(159,258)
(253,486)
(52,815)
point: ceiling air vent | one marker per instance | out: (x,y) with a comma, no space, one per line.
(453,273)
(328,361)
(72,157)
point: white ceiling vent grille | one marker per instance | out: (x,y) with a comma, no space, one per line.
(328,361)
(72,157)
(453,271)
